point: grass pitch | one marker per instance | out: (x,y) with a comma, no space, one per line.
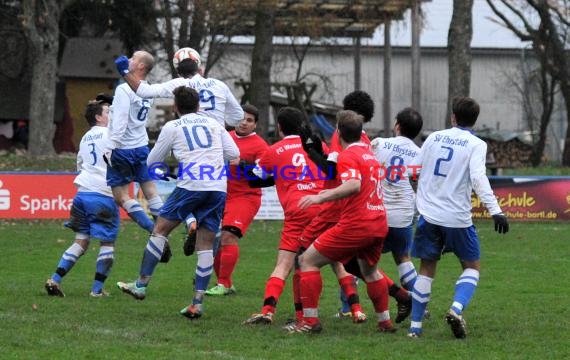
(520,309)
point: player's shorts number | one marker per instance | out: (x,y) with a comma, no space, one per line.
(445,158)
(199,136)
(206,96)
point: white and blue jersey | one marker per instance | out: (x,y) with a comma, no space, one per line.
(216,99)
(201,146)
(397,155)
(94,211)
(128,138)
(90,164)
(453,165)
(129,113)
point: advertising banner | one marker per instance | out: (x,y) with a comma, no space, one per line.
(528,198)
(37,195)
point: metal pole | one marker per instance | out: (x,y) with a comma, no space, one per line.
(357,79)
(386,103)
(416,73)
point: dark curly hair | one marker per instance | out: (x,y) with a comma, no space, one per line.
(360,102)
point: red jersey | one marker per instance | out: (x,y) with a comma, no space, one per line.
(331,211)
(335,141)
(295,176)
(251,147)
(358,162)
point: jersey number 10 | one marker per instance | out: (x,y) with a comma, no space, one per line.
(196,138)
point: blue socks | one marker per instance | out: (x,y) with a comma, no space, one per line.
(204,268)
(104,263)
(152,254)
(464,290)
(68,259)
(420,298)
(137,213)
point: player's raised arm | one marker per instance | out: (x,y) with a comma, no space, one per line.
(234,111)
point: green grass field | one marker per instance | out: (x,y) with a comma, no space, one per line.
(520,309)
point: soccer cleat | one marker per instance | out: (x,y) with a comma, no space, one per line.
(266,319)
(343,314)
(132,289)
(414,334)
(192,311)
(359,317)
(404,310)
(387,329)
(190,241)
(103,293)
(53,288)
(289,325)
(457,324)
(220,290)
(166,253)
(304,327)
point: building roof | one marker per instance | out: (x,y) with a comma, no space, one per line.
(90,58)
(326,18)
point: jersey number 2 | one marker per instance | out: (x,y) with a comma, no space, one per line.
(447,158)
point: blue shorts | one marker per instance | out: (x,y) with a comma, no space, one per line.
(95,215)
(206,206)
(128,165)
(398,241)
(432,240)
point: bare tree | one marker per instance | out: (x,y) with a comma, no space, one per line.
(260,88)
(459,52)
(40,20)
(535,90)
(199,24)
(549,38)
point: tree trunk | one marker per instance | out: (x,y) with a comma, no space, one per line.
(260,88)
(198,27)
(565,89)
(41,23)
(459,53)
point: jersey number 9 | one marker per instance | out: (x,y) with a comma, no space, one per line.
(206,96)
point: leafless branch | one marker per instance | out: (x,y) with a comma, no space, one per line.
(518,32)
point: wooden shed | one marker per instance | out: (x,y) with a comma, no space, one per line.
(88,68)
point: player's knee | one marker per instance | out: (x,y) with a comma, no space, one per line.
(230,235)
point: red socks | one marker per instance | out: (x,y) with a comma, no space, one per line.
(273,289)
(348,286)
(311,287)
(228,258)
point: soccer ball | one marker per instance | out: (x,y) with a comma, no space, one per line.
(185,53)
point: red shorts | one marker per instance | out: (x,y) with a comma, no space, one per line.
(293,228)
(342,244)
(240,211)
(316,227)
